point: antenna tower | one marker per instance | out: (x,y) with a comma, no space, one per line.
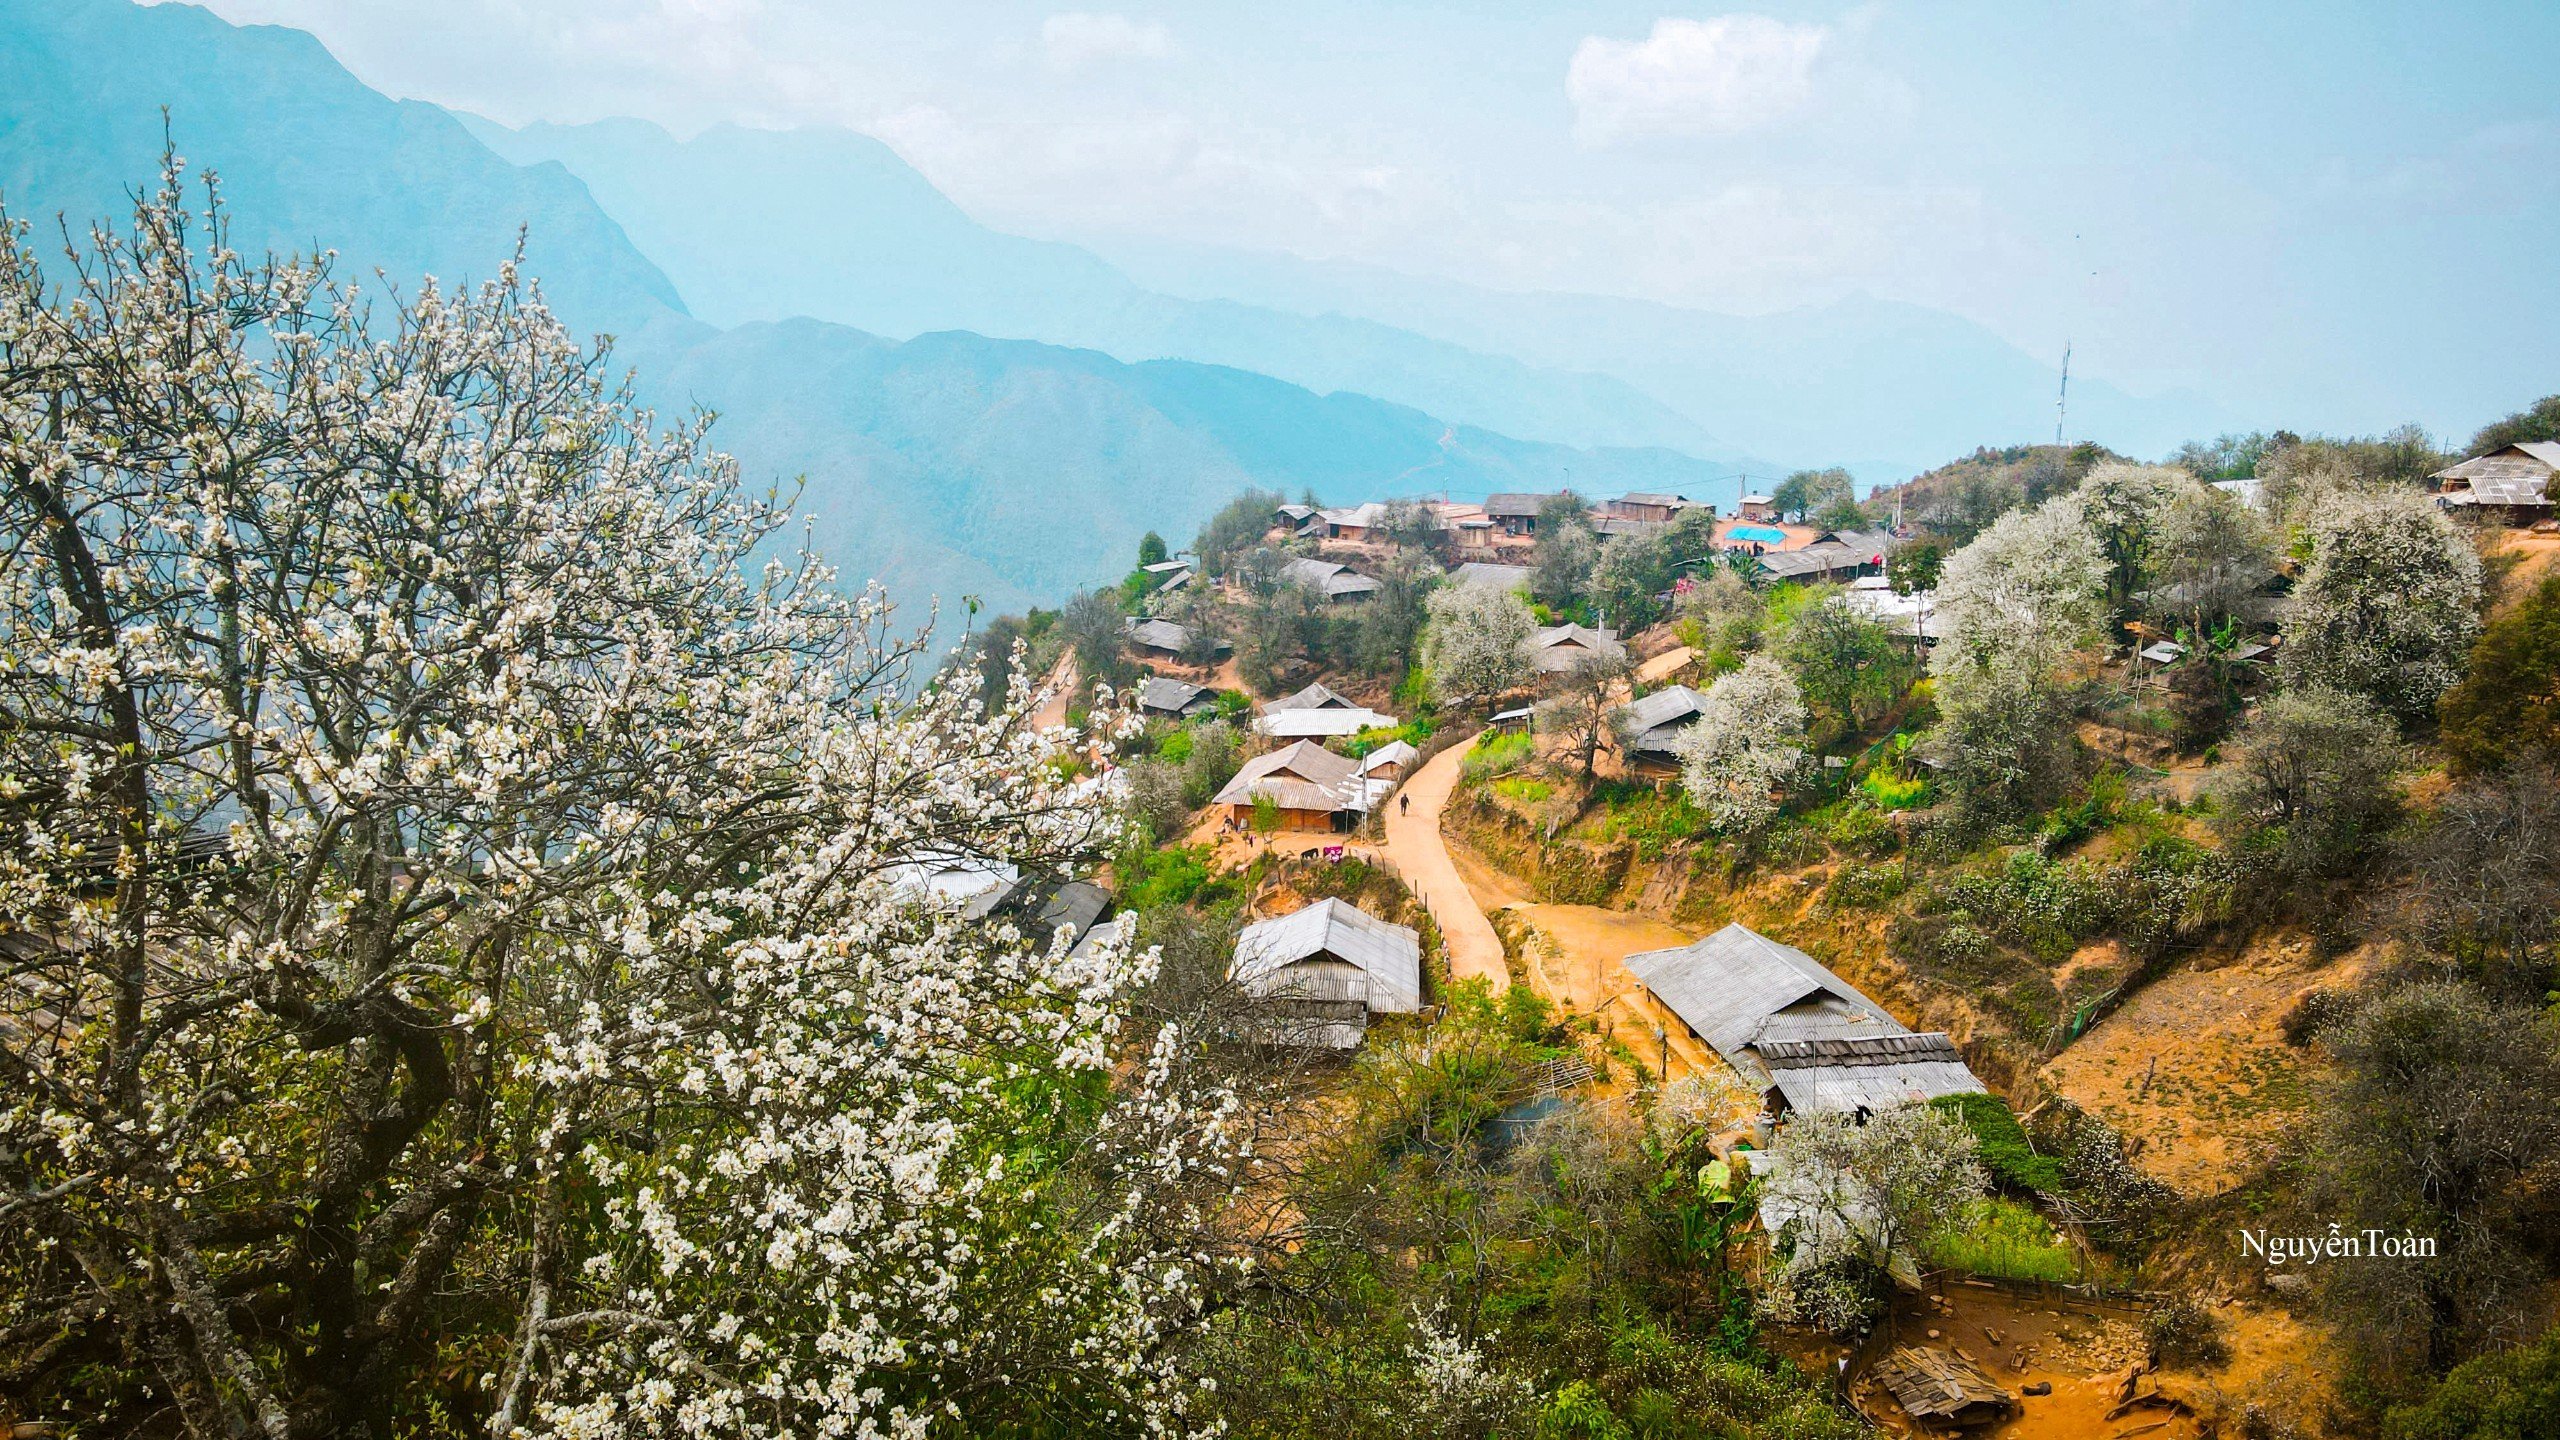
(2063,398)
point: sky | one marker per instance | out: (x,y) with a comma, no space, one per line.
(2335,216)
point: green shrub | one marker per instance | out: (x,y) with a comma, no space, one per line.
(2512,1395)
(1865,887)
(1892,792)
(2003,1145)
(1856,827)
(1498,754)
(1526,791)
(1154,876)
(1655,819)
(1175,748)
(2005,1240)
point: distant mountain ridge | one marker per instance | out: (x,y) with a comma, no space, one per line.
(309,158)
(948,464)
(830,224)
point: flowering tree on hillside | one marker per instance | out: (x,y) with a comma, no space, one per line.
(2014,607)
(1746,744)
(2388,607)
(1473,646)
(462,910)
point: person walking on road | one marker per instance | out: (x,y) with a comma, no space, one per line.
(1404,804)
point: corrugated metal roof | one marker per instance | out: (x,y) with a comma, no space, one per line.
(1159,634)
(1843,1073)
(1394,752)
(1295,724)
(1171,696)
(1303,776)
(1318,696)
(1559,648)
(1513,504)
(1736,985)
(1483,572)
(1326,578)
(1388,956)
(1676,704)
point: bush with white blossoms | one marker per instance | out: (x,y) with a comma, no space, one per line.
(2389,605)
(2014,607)
(1746,744)
(461,910)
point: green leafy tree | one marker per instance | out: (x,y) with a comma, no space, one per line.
(1567,551)
(1808,491)
(2538,421)
(1843,659)
(2312,786)
(1151,549)
(1238,526)
(2508,706)
(2442,1121)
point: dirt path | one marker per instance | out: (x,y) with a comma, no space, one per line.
(1669,662)
(1415,848)
(1061,685)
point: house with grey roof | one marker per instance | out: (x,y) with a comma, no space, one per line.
(1313,788)
(1833,555)
(1180,699)
(1650,506)
(1333,582)
(1558,648)
(1322,971)
(1167,640)
(2514,477)
(1318,710)
(1805,1038)
(1516,512)
(1649,727)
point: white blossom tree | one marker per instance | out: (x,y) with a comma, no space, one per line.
(2014,608)
(2389,605)
(1858,1198)
(453,877)
(1746,744)
(1474,644)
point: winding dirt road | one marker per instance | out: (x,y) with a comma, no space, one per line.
(1415,848)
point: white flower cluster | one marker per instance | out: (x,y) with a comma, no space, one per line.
(436,825)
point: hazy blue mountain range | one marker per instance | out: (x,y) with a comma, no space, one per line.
(956,464)
(309,158)
(944,465)
(831,224)
(1890,386)
(845,230)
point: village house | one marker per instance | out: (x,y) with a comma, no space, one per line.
(1650,507)
(1322,971)
(1164,696)
(1164,640)
(1391,761)
(1292,517)
(1833,555)
(1334,583)
(1648,728)
(1758,507)
(1318,710)
(1806,1039)
(2513,478)
(1516,514)
(1313,788)
(1167,575)
(1558,648)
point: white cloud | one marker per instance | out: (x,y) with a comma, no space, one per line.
(1692,77)
(1077,38)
